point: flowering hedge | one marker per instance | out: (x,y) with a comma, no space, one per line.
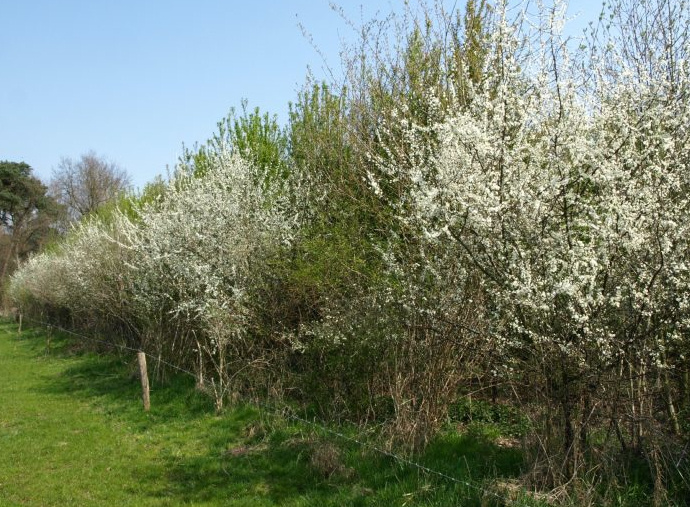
(523,227)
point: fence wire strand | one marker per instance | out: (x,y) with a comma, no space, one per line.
(288,413)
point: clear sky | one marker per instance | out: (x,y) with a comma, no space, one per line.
(135,79)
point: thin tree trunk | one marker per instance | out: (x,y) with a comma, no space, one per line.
(569,444)
(669,403)
(6,263)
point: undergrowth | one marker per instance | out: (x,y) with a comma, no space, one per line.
(74,433)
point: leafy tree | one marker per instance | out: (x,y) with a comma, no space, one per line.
(258,139)
(357,320)
(27,214)
(254,136)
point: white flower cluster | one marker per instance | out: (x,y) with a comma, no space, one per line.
(187,255)
(194,250)
(85,274)
(570,201)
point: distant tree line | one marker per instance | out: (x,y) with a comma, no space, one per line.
(34,214)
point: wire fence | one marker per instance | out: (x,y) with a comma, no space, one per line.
(287,413)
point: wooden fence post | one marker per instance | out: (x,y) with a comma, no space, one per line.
(48,339)
(200,376)
(144,380)
(20,324)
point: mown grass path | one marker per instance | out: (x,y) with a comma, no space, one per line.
(62,441)
(73,433)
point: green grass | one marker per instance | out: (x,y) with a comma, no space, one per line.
(73,432)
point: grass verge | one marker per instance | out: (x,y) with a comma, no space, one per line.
(73,432)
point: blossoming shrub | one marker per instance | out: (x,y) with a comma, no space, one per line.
(177,275)
(370,337)
(198,252)
(517,232)
(564,191)
(83,283)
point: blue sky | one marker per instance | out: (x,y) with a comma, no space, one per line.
(134,80)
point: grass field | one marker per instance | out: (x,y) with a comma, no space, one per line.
(73,432)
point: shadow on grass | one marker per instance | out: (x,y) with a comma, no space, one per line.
(293,464)
(284,472)
(251,458)
(111,378)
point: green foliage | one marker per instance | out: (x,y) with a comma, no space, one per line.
(507,419)
(21,195)
(107,212)
(129,205)
(258,139)
(29,217)
(318,134)
(335,256)
(153,191)
(15,178)
(254,136)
